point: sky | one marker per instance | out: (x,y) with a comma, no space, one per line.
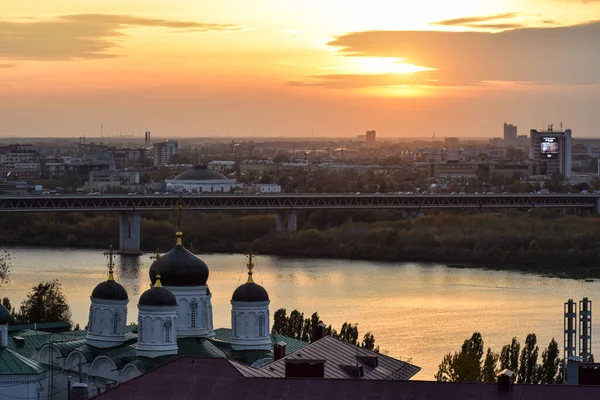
(283,68)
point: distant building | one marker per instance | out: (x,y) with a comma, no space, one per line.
(510,135)
(371,137)
(22,161)
(163,151)
(104,180)
(451,142)
(221,166)
(554,148)
(496,141)
(201,180)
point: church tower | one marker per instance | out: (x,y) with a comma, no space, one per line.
(4,320)
(250,315)
(185,275)
(108,311)
(157,321)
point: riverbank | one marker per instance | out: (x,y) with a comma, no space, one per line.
(565,246)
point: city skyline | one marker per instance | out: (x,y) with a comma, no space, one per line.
(235,69)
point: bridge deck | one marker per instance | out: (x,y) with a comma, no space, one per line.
(273,202)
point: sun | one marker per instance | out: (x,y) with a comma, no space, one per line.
(382,65)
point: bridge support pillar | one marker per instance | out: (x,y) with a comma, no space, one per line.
(292,221)
(129,233)
(598,205)
(286,221)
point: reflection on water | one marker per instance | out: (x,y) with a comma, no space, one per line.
(416,311)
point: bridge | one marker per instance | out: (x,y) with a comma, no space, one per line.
(285,205)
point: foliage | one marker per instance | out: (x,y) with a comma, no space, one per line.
(463,366)
(528,361)
(467,366)
(45,303)
(5,267)
(509,356)
(489,372)
(306,329)
(549,371)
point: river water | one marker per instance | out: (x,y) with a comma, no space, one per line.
(417,312)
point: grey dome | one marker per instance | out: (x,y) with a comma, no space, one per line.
(250,292)
(199,173)
(4,315)
(110,290)
(158,296)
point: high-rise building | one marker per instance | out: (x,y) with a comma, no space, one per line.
(163,151)
(451,142)
(553,148)
(371,137)
(510,134)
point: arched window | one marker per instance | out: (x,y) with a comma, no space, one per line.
(116,320)
(193,313)
(168,330)
(91,320)
(234,324)
(261,325)
(140,329)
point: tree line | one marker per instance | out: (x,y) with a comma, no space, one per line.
(306,329)
(470,365)
(540,241)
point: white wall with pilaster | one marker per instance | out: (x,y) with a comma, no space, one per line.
(250,323)
(157,332)
(194,311)
(107,322)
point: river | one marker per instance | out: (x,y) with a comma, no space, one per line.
(417,312)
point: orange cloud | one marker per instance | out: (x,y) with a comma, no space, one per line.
(82,36)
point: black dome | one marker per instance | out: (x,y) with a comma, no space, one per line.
(199,173)
(110,290)
(250,292)
(157,296)
(4,315)
(179,267)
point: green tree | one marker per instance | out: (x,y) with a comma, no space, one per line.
(528,361)
(463,366)
(549,370)
(509,356)
(280,321)
(45,303)
(489,372)
(6,303)
(369,342)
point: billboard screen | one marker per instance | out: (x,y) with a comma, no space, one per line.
(549,147)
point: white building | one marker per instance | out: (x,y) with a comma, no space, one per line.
(201,180)
(221,166)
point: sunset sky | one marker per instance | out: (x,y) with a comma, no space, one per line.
(285,68)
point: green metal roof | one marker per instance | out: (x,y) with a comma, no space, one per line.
(12,362)
(40,326)
(224,335)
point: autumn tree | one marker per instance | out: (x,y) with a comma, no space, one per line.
(45,303)
(4,267)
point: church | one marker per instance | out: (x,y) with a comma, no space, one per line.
(175,319)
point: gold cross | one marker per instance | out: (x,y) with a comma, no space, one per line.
(250,267)
(110,255)
(156,255)
(179,208)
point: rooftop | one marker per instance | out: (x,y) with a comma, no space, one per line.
(198,379)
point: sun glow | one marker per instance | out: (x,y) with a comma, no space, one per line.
(381,65)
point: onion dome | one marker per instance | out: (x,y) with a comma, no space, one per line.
(200,173)
(4,315)
(110,290)
(180,267)
(250,291)
(157,296)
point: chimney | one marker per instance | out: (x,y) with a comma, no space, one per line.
(279,350)
(321,331)
(79,391)
(506,379)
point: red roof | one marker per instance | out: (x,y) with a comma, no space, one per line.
(213,378)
